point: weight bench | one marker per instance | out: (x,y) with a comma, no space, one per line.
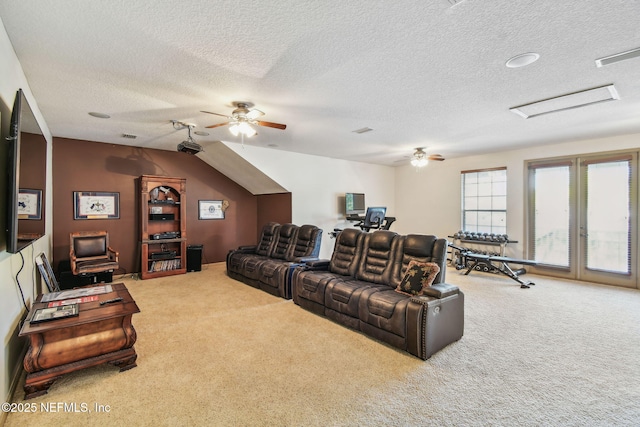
(501,266)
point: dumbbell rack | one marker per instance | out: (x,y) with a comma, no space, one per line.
(459,242)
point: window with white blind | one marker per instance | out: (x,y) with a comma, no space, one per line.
(551,212)
(608,215)
(484,200)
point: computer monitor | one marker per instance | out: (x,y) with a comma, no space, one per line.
(374,217)
(354,203)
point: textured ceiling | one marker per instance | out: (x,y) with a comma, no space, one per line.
(419,73)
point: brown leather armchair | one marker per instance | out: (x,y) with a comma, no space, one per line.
(90,253)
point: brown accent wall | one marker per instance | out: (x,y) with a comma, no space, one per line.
(92,166)
(274,207)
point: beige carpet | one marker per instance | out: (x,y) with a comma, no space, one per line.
(213,351)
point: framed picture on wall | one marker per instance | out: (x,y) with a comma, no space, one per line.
(29,204)
(210,209)
(95,205)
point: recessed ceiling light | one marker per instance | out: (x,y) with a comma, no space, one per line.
(100,115)
(522,60)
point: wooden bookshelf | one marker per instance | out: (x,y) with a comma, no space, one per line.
(163,226)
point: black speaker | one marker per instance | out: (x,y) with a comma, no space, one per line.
(194,257)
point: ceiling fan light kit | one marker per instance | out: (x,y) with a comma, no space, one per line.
(419,158)
(243,128)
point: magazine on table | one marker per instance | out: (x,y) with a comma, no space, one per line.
(77,293)
(80,300)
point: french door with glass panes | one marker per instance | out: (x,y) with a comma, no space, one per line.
(582,218)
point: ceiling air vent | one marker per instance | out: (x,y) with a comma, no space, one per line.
(129,136)
(362,130)
(569,101)
(618,57)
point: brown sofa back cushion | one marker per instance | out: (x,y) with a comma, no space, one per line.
(379,253)
(420,248)
(284,242)
(307,242)
(267,238)
(346,252)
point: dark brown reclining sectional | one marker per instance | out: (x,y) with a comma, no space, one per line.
(357,289)
(268,265)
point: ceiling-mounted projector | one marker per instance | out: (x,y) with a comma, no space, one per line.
(189,146)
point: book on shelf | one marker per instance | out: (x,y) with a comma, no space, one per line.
(164,265)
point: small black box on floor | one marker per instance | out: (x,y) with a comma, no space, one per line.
(194,257)
(69,281)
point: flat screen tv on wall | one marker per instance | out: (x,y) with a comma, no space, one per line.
(354,203)
(25,179)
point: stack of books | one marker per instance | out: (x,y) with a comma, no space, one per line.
(164,265)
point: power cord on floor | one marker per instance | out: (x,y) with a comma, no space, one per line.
(20,286)
(125,275)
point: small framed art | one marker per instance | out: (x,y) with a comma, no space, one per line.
(53,313)
(210,209)
(94,205)
(29,204)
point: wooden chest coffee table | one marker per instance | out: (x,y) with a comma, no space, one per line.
(100,333)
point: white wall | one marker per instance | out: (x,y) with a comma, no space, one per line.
(11,306)
(316,183)
(429,200)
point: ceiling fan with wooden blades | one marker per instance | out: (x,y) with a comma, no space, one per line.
(242,118)
(420,158)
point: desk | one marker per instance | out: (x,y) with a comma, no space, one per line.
(385,224)
(99,334)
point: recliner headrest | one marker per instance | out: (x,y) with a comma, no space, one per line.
(381,239)
(419,245)
(349,236)
(306,231)
(287,230)
(270,228)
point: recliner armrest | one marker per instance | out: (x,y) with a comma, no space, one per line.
(441,290)
(305,260)
(318,264)
(249,249)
